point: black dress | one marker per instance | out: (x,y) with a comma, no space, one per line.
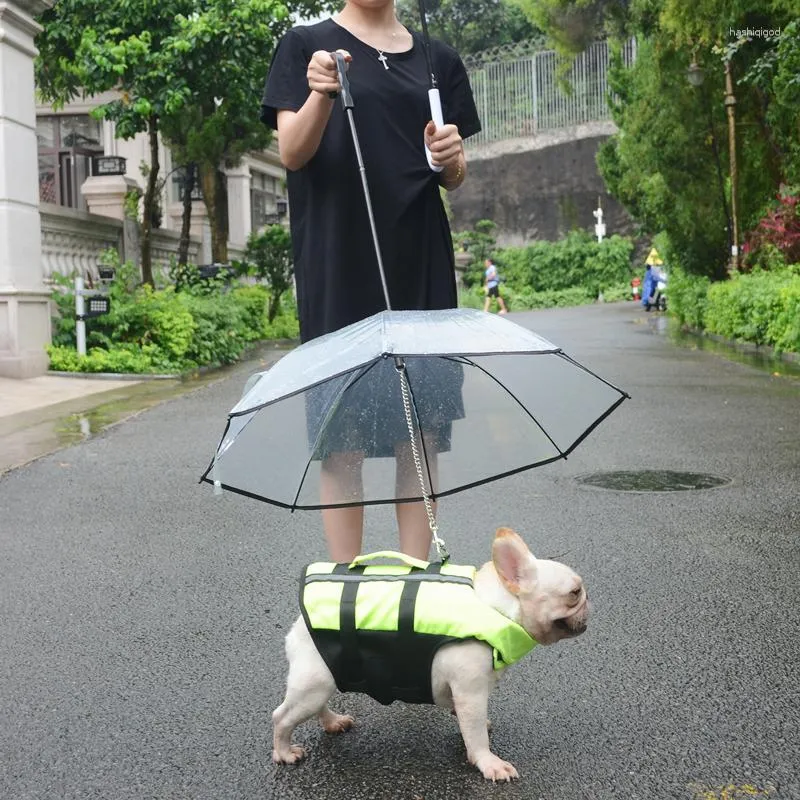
(335,264)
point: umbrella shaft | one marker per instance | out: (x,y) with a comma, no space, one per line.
(363,172)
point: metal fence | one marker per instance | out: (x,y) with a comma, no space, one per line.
(523,95)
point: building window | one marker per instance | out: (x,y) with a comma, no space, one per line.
(263,199)
(179,181)
(66,147)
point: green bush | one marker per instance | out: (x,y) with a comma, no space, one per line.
(761,307)
(576,260)
(688,297)
(527,300)
(124,358)
(165,330)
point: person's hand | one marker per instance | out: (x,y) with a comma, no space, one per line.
(321,74)
(444,143)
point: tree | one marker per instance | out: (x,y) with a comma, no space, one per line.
(669,164)
(470,26)
(167,63)
(480,243)
(269,255)
(88,48)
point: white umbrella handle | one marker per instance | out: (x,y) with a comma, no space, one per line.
(438,120)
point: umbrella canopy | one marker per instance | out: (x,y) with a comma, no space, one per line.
(490,397)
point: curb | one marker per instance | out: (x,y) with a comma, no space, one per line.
(749,348)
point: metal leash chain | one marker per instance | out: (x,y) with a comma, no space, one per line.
(441,548)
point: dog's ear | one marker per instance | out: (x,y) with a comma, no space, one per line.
(513,561)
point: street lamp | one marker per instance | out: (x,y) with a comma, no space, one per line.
(695,74)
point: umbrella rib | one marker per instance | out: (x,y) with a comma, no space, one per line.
(216,452)
(330,411)
(511,394)
(302,389)
(562,354)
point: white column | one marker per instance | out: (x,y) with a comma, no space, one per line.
(24,299)
(239,204)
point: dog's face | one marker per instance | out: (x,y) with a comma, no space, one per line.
(552,601)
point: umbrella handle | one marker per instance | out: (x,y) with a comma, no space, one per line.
(341,69)
(410,561)
(438,120)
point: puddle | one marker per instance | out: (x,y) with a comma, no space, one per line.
(33,434)
(653,480)
(741,353)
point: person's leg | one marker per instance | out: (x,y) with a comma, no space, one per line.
(487,302)
(502,303)
(340,481)
(412,518)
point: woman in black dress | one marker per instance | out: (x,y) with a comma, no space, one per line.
(336,269)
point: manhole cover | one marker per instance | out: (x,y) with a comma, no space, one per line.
(653,480)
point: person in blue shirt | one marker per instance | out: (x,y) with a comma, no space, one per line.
(492,287)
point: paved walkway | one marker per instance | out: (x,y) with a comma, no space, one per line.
(20,396)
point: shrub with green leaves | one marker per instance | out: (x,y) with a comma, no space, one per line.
(163,330)
(762,307)
(575,260)
(688,297)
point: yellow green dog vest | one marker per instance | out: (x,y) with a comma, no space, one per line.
(378,627)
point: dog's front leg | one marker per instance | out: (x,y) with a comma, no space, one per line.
(470,676)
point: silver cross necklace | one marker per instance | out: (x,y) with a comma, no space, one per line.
(382,58)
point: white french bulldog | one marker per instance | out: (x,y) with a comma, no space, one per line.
(545,597)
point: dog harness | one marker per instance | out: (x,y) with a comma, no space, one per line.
(378,627)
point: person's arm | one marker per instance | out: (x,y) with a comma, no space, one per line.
(300,132)
(454,173)
(447,152)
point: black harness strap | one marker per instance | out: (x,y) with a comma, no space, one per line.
(347,621)
(408,601)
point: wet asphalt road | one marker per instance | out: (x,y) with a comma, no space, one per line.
(142,618)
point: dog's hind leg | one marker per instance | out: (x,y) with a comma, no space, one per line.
(335,723)
(309,686)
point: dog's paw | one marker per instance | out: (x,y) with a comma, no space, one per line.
(337,723)
(495,769)
(293,754)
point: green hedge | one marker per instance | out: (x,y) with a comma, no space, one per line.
(163,330)
(576,260)
(759,307)
(527,300)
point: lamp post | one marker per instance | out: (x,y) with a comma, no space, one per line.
(730,105)
(696,77)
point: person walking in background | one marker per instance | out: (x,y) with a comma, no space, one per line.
(492,287)
(336,271)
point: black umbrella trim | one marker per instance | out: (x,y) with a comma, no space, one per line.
(433,495)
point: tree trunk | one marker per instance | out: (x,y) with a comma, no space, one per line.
(274,306)
(150,200)
(215,197)
(186,217)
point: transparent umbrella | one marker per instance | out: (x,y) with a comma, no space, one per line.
(471,397)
